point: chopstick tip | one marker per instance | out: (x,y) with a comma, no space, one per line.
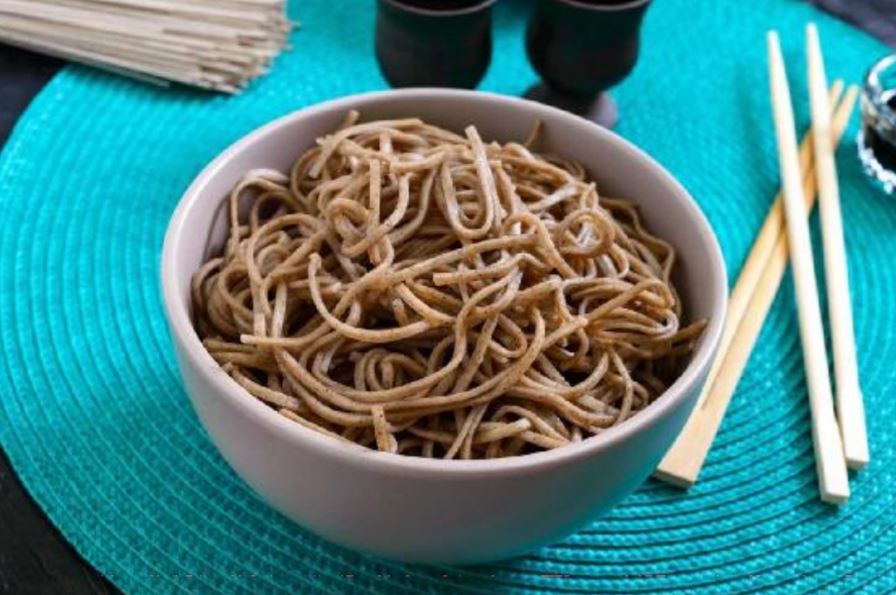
(857,463)
(774,44)
(837,498)
(812,40)
(675,477)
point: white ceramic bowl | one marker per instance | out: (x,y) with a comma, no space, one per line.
(417,509)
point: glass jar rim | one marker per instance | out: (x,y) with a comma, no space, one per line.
(873,91)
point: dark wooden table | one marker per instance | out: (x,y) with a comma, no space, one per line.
(34,556)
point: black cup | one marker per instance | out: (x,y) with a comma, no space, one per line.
(434,43)
(581,48)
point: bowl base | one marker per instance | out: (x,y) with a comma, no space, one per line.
(601,109)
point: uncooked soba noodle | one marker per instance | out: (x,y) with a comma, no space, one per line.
(416,291)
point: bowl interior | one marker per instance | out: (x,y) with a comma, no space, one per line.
(620,170)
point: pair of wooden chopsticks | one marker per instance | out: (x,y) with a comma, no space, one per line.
(758,283)
(833,449)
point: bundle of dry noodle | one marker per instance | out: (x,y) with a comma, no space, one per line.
(421,292)
(212,44)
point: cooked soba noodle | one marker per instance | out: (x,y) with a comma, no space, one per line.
(416,291)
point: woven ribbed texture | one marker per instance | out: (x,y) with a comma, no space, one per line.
(95,421)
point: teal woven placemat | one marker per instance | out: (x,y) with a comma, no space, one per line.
(94,419)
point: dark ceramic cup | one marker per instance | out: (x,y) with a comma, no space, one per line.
(434,43)
(581,48)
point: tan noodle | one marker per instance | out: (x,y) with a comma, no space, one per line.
(416,291)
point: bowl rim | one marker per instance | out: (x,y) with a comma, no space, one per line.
(182,330)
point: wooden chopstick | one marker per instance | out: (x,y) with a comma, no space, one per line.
(754,291)
(772,229)
(850,409)
(829,461)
